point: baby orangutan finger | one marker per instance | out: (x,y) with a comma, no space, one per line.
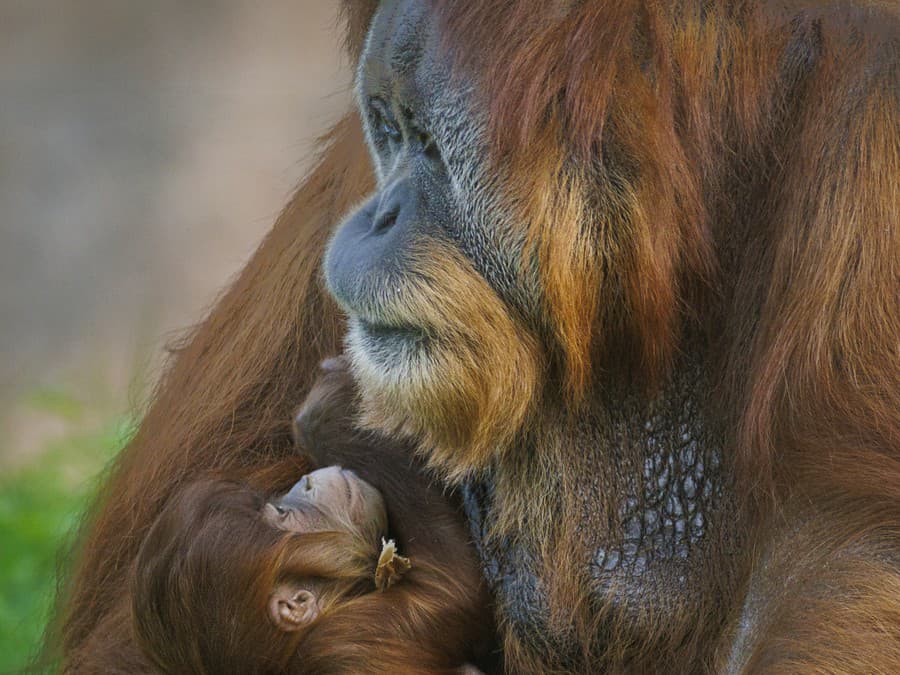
(391,566)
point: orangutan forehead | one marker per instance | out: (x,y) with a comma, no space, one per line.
(529,62)
(401,61)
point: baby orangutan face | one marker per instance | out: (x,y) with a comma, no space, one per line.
(331,499)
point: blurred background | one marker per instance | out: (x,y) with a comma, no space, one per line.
(145,148)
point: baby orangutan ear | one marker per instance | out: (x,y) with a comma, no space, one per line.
(292,607)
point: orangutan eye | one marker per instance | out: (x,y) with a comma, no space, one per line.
(280,510)
(384,121)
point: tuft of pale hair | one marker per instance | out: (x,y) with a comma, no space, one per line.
(391,565)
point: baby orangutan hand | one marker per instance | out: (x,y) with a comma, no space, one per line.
(391,566)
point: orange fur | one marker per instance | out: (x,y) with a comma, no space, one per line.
(722,172)
(233,383)
(475,398)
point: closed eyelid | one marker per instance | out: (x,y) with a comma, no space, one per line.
(297,520)
(381,108)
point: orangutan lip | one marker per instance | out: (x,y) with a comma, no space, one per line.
(381,331)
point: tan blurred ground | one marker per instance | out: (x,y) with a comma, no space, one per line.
(145,148)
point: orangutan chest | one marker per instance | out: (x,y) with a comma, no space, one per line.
(646,558)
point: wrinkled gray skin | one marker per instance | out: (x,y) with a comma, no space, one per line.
(428,145)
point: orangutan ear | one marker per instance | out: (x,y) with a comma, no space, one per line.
(292,607)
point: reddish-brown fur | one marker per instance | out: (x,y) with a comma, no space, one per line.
(438,615)
(112,646)
(203,579)
(762,204)
(758,203)
(277,324)
(197,596)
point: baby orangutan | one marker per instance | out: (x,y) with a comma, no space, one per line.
(233,580)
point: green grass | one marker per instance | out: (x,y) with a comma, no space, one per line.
(40,504)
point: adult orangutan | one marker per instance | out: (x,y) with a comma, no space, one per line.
(630,276)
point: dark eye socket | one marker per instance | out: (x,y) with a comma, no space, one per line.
(280,510)
(429,147)
(387,127)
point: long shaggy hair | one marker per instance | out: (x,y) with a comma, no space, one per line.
(724,171)
(205,572)
(727,163)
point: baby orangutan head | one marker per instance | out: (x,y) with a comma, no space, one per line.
(334,501)
(230,581)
